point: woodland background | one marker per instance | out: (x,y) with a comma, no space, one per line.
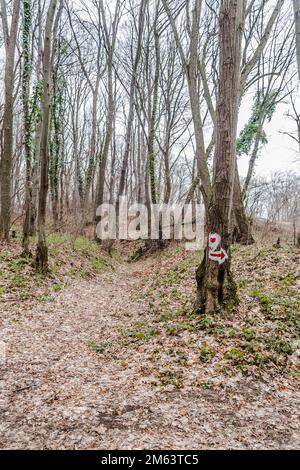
(116,344)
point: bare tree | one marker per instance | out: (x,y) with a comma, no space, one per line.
(42,249)
(10,41)
(296,5)
(110,44)
(141,19)
(214,279)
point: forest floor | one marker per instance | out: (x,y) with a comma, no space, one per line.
(118,359)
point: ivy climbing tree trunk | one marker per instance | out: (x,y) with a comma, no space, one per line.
(26,74)
(36,122)
(42,249)
(214,279)
(152,124)
(57,120)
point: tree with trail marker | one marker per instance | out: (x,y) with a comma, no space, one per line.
(214,279)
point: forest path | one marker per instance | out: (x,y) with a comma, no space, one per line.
(53,381)
(59,393)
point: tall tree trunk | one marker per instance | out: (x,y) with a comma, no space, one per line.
(241,227)
(296,4)
(10,38)
(26,74)
(240,222)
(112,168)
(131,102)
(92,153)
(35,178)
(37,124)
(56,126)
(214,280)
(108,135)
(110,111)
(191,70)
(152,126)
(168,185)
(42,249)
(57,119)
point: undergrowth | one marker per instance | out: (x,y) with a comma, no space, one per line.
(69,257)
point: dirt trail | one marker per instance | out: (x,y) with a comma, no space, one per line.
(57,393)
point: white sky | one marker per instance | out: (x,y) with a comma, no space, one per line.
(281,152)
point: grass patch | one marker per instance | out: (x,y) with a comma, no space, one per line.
(207,353)
(171,377)
(100,347)
(139,332)
(235,355)
(69,257)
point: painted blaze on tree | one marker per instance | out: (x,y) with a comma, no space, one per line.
(214,279)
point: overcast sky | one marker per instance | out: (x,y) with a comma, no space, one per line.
(281,152)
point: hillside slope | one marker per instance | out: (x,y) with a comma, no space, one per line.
(120,360)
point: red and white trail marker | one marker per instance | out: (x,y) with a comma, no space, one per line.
(220,255)
(214,241)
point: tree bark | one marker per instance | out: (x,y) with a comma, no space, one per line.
(191,70)
(131,102)
(42,249)
(296,4)
(26,74)
(241,227)
(10,39)
(110,110)
(152,124)
(214,280)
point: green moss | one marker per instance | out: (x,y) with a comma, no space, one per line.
(288,280)
(176,328)
(265,303)
(170,377)
(141,331)
(232,299)
(230,304)
(249,347)
(235,355)
(180,357)
(258,359)
(16,265)
(206,323)
(57,287)
(100,347)
(242,283)
(207,353)
(219,331)
(18,281)
(281,345)
(98,264)
(232,333)
(264,300)
(248,334)
(164,317)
